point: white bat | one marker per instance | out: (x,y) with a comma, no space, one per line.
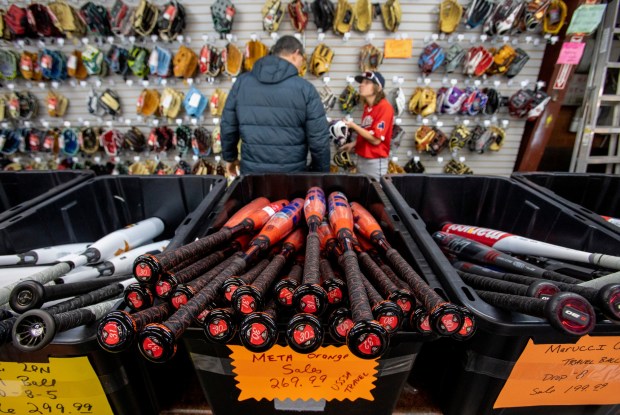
(42,256)
(114,243)
(507,242)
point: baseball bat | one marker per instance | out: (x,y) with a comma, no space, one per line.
(567,312)
(613,221)
(220,325)
(117,330)
(250,298)
(607,298)
(403,298)
(613,278)
(445,318)
(310,297)
(571,270)
(284,289)
(339,323)
(35,329)
(420,321)
(515,244)
(92,297)
(184,292)
(369,248)
(250,218)
(386,312)
(167,283)
(304,333)
(138,296)
(537,289)
(258,331)
(336,288)
(31,294)
(118,265)
(112,244)
(43,256)
(278,227)
(231,284)
(367,339)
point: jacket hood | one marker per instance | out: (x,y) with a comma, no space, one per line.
(273,70)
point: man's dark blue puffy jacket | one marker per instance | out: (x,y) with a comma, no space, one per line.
(279,117)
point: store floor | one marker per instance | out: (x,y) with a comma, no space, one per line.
(413,401)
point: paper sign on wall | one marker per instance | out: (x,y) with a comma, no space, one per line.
(398,48)
(571,53)
(62,386)
(584,373)
(330,373)
(586,19)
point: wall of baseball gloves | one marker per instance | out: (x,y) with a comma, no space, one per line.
(138,87)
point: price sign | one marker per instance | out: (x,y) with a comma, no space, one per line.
(62,386)
(330,373)
(584,373)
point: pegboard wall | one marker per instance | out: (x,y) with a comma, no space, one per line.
(419,23)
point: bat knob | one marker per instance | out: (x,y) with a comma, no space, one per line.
(542,289)
(164,287)
(181,295)
(157,343)
(33,330)
(339,323)
(420,321)
(116,331)
(304,333)
(138,297)
(310,299)
(230,286)
(446,319)
(368,339)
(219,326)
(336,290)
(389,315)
(609,300)
(570,313)
(404,299)
(27,295)
(247,300)
(468,328)
(258,332)
(284,290)
(146,268)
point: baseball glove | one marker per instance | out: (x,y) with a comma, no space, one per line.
(343,20)
(254,50)
(370,58)
(323,11)
(349,98)
(223,13)
(391,14)
(362,16)
(273,12)
(298,11)
(185,63)
(232,59)
(321,59)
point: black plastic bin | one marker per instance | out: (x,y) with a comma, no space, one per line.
(212,362)
(85,213)
(466,378)
(21,190)
(590,194)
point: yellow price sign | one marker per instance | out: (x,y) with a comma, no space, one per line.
(398,48)
(62,386)
(330,373)
(584,373)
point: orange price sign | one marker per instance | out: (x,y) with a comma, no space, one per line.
(584,373)
(330,373)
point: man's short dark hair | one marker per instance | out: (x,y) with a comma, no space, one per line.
(287,45)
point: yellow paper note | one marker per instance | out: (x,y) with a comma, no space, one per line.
(585,373)
(330,373)
(63,386)
(398,48)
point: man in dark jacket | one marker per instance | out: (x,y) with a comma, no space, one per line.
(278,116)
